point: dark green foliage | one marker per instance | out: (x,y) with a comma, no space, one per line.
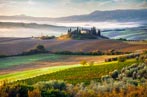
(3,56)
(47,37)
(85,34)
(52,89)
(122,39)
(132,74)
(96,52)
(122,59)
(114,74)
(54,93)
(79,53)
(51,85)
(38,49)
(16,90)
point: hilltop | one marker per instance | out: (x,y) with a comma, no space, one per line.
(80,34)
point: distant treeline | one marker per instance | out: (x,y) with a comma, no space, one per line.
(3,56)
(41,49)
(110,52)
(125,57)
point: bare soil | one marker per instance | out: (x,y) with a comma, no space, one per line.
(13,46)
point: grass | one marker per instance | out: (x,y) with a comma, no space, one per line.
(81,74)
(33,73)
(19,60)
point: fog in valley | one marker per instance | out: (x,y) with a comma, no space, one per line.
(115,30)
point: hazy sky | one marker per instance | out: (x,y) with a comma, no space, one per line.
(59,8)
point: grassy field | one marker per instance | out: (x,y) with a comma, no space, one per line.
(24,63)
(19,60)
(33,73)
(82,73)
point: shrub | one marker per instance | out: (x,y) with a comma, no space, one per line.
(84,62)
(108,60)
(114,74)
(51,85)
(40,48)
(34,93)
(122,59)
(54,93)
(36,50)
(91,63)
(16,90)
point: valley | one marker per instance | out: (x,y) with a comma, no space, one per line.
(73,48)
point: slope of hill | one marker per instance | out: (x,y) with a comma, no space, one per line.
(17,46)
(114,15)
(28,25)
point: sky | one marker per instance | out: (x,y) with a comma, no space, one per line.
(61,8)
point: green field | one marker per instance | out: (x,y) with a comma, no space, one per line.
(33,73)
(82,73)
(19,60)
(70,73)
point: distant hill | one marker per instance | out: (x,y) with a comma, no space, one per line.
(28,25)
(114,15)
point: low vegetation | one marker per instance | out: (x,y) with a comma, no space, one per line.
(3,56)
(95,52)
(130,81)
(84,73)
(37,50)
(12,77)
(123,58)
(47,37)
(26,59)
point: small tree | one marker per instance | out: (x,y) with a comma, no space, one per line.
(84,62)
(114,74)
(91,63)
(40,48)
(122,59)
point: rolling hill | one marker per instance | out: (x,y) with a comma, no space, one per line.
(96,16)
(16,46)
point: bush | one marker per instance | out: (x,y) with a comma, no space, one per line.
(91,63)
(16,90)
(38,49)
(114,74)
(34,93)
(54,93)
(122,59)
(84,62)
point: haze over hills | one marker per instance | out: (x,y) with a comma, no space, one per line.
(96,16)
(114,22)
(114,15)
